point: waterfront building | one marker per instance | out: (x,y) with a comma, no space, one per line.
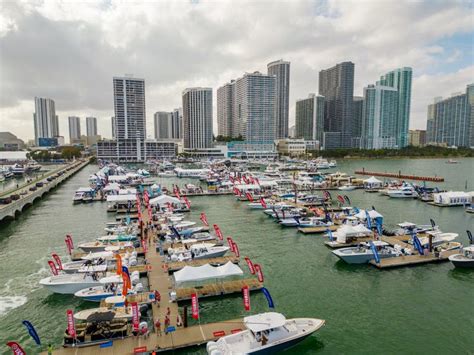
(177,123)
(470,103)
(291,147)
(163,125)
(336,84)
(254,109)
(281,70)
(417,137)
(10,142)
(114,127)
(197,118)
(251,150)
(225,110)
(91,126)
(74,128)
(135,151)
(357,126)
(310,118)
(379,117)
(449,120)
(46,122)
(401,80)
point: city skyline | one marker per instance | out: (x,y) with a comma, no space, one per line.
(440,58)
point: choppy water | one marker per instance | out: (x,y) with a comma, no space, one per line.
(424,309)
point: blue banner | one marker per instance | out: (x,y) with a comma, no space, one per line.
(331,237)
(356,210)
(417,244)
(369,222)
(469,235)
(379,228)
(175,231)
(32,331)
(374,250)
(125,270)
(106,345)
(269,298)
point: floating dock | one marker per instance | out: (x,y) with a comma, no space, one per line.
(408,260)
(400,176)
(218,289)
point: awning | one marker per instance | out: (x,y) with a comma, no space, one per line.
(164,199)
(205,272)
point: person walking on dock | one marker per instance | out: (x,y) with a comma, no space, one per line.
(157,298)
(158,326)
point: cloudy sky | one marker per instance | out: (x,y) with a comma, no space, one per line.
(70,50)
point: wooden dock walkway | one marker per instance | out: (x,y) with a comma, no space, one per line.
(178,265)
(399,175)
(412,259)
(218,289)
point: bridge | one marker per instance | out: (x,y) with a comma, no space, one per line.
(27,197)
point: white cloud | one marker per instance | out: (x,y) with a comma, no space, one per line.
(70,51)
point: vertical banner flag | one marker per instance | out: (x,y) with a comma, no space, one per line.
(203,218)
(249,196)
(118,264)
(32,331)
(269,297)
(218,232)
(177,194)
(135,315)
(341,199)
(186,201)
(246,295)
(236,249)
(58,260)
(70,241)
(250,265)
(195,306)
(258,270)
(68,246)
(52,266)
(16,348)
(230,242)
(263,203)
(369,222)
(71,327)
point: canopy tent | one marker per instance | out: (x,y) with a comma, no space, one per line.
(112,187)
(114,178)
(205,272)
(164,199)
(121,198)
(372,180)
(349,231)
(372,214)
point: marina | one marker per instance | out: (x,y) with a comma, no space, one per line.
(263,244)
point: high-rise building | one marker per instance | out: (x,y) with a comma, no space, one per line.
(400,79)
(254,108)
(336,84)
(281,70)
(163,125)
(310,118)
(449,120)
(114,127)
(225,110)
(357,126)
(45,119)
(129,104)
(470,103)
(91,126)
(177,123)
(74,128)
(417,137)
(197,118)
(379,117)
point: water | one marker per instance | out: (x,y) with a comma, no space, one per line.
(423,309)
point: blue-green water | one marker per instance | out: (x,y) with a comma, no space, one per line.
(423,309)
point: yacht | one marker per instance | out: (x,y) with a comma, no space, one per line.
(102,246)
(90,265)
(265,333)
(403,192)
(363,253)
(83,194)
(17,169)
(465,259)
(69,283)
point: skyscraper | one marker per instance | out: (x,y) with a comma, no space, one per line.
(74,128)
(310,118)
(357,119)
(177,124)
(114,127)
(379,117)
(281,70)
(163,125)
(197,118)
(336,84)
(225,104)
(129,104)
(254,108)
(470,103)
(91,126)
(400,79)
(45,119)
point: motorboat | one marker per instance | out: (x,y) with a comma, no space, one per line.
(286,213)
(305,222)
(403,192)
(265,333)
(17,169)
(83,194)
(69,283)
(110,286)
(117,238)
(347,187)
(184,225)
(465,259)
(197,251)
(363,253)
(118,313)
(91,265)
(101,246)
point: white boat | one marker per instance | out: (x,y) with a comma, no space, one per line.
(109,286)
(403,192)
(102,246)
(197,251)
(184,225)
(465,259)
(117,238)
(82,194)
(17,169)
(265,333)
(363,253)
(347,187)
(69,283)
(305,222)
(92,265)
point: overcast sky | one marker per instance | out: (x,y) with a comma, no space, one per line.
(70,51)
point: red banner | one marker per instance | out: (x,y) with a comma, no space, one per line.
(53,268)
(245,179)
(68,246)
(149,211)
(135,315)
(195,306)
(16,348)
(341,199)
(144,246)
(69,238)
(218,232)
(263,203)
(250,265)
(258,270)
(249,196)
(177,194)
(257,181)
(186,201)
(58,260)
(231,179)
(246,294)
(71,327)
(236,249)
(230,242)
(126,283)
(139,350)
(203,218)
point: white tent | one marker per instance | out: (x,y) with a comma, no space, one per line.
(128,191)
(113,178)
(205,272)
(372,214)
(348,231)
(112,187)
(372,182)
(164,199)
(121,198)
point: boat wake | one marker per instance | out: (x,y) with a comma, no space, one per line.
(8,303)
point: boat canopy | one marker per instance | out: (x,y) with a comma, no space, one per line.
(84,189)
(247,187)
(201,246)
(205,272)
(348,231)
(264,321)
(164,199)
(372,214)
(372,181)
(128,191)
(115,279)
(112,187)
(121,198)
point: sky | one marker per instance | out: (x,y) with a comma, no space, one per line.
(70,50)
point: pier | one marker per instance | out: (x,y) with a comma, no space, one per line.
(400,176)
(26,197)
(408,260)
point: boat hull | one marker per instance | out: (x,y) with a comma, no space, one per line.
(69,288)
(461,262)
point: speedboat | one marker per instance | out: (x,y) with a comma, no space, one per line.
(265,333)
(91,265)
(197,251)
(109,287)
(117,238)
(305,222)
(404,192)
(69,283)
(363,253)
(465,259)
(101,246)
(347,187)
